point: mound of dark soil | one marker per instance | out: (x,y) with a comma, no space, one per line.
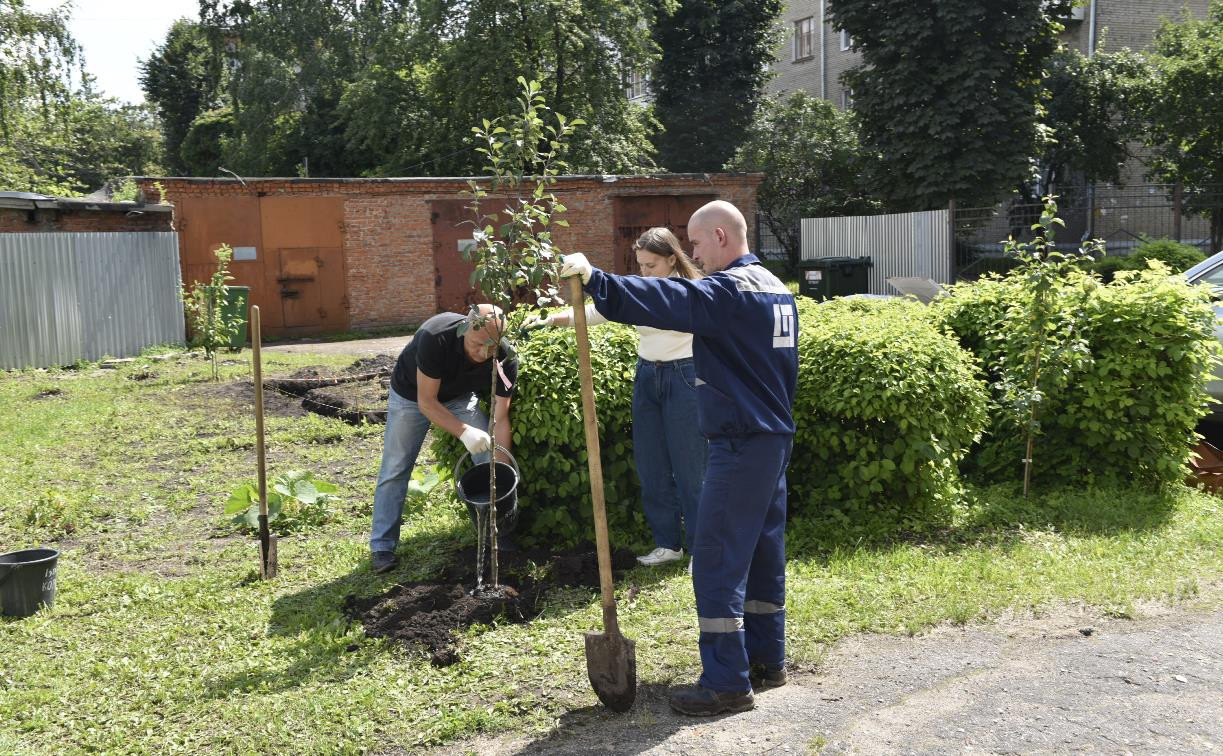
(306,379)
(242,394)
(382,364)
(357,402)
(429,613)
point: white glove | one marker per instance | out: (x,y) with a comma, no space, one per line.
(475,440)
(576,264)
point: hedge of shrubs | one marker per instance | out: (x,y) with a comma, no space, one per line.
(1177,256)
(888,405)
(895,399)
(1124,402)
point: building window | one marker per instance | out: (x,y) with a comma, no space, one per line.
(847,98)
(637,85)
(847,42)
(804,38)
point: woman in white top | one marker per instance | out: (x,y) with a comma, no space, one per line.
(668,449)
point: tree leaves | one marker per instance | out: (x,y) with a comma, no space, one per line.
(813,165)
(948,93)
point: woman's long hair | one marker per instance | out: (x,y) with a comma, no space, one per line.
(660,241)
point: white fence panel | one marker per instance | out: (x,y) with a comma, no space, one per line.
(71,296)
(902,245)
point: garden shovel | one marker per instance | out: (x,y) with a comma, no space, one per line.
(267,541)
(611,659)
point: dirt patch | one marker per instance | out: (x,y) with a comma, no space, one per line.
(382,363)
(306,379)
(49,393)
(242,393)
(356,403)
(428,614)
(142,375)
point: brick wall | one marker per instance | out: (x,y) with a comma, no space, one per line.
(388,231)
(388,251)
(14,220)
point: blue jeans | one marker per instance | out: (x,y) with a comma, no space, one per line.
(668,449)
(406,427)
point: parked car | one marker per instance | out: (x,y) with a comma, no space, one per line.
(1210,271)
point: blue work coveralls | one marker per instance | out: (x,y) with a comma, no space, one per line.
(745,348)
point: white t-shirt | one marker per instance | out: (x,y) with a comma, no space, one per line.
(655,345)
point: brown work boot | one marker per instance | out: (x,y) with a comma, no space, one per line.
(699,701)
(765,676)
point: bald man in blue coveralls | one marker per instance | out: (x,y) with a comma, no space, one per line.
(745,347)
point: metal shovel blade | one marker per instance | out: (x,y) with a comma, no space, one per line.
(611,663)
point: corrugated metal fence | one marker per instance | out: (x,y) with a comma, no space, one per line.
(72,296)
(902,245)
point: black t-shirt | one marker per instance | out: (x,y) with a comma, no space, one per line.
(437,350)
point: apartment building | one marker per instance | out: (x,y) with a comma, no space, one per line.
(814,53)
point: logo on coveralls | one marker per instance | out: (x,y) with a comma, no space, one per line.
(783,326)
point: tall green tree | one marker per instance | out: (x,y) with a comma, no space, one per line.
(710,77)
(182,79)
(579,51)
(1095,115)
(1186,129)
(360,87)
(288,63)
(949,92)
(59,136)
(813,164)
(38,63)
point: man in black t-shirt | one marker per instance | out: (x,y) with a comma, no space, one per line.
(438,379)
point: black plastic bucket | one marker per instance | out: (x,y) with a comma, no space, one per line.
(27,581)
(472,489)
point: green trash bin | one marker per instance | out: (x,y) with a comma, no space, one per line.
(236,301)
(827,277)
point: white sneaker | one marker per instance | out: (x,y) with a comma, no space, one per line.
(661,555)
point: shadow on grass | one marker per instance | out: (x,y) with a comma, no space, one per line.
(996,515)
(597,729)
(316,616)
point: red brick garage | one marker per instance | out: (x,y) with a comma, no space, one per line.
(332,254)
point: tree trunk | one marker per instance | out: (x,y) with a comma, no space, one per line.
(492,468)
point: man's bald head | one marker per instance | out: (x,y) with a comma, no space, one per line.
(718,233)
(480,341)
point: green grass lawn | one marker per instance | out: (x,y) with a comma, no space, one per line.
(162,639)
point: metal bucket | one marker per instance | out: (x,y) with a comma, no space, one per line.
(472,489)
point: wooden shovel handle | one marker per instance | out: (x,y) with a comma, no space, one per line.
(594,461)
(257,360)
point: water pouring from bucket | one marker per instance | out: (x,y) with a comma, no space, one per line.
(472,486)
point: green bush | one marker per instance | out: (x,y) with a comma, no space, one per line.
(550,444)
(887,407)
(1128,396)
(1177,256)
(1108,267)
